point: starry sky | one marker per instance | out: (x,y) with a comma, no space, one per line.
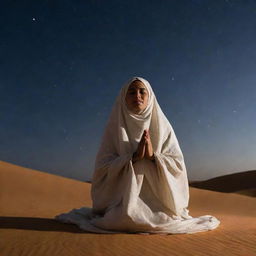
(64,62)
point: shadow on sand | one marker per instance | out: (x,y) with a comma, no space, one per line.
(41,224)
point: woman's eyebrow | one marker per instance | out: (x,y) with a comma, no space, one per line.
(134,88)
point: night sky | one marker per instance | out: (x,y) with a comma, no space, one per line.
(62,64)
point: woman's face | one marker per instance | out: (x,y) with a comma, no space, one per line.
(136,97)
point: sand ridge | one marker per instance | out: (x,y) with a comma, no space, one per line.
(240,182)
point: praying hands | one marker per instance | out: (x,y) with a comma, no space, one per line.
(145,149)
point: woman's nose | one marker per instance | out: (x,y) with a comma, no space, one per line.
(138,95)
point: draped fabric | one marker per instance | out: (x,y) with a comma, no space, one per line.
(144,196)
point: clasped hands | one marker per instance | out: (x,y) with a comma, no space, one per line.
(144,149)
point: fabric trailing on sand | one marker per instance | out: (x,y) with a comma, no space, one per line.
(140,197)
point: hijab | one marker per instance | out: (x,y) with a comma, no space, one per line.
(120,140)
(124,128)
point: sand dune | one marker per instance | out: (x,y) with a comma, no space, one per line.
(247,192)
(241,183)
(30,199)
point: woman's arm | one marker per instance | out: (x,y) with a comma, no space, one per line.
(171,155)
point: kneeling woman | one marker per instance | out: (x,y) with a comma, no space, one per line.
(140,182)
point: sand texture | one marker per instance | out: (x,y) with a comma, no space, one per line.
(29,200)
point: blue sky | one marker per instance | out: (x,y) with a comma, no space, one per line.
(64,62)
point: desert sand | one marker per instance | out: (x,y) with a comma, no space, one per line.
(29,200)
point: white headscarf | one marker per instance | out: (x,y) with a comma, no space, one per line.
(120,140)
(124,128)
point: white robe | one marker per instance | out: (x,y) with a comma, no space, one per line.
(140,197)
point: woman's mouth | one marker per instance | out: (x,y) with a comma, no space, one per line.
(138,102)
